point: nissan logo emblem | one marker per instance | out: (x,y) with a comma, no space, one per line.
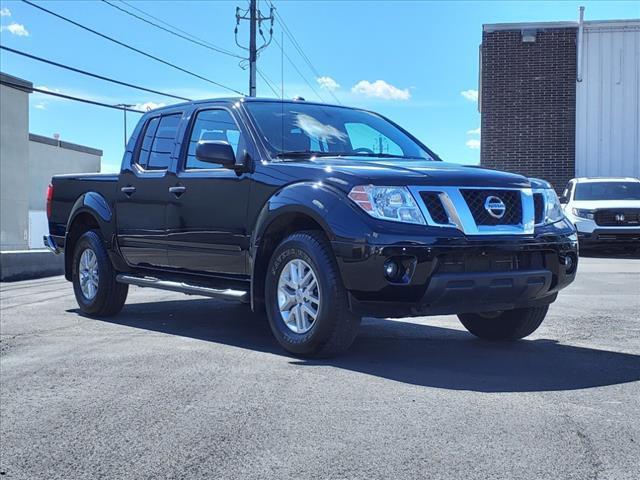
(495,206)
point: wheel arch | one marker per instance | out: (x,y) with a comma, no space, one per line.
(302,206)
(91,211)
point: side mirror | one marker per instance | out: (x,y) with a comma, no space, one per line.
(563,200)
(216,151)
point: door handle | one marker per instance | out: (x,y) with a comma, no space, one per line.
(130,190)
(177,191)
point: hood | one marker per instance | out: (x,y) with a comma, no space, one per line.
(605,204)
(383,171)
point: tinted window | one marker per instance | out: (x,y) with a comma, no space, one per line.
(158,142)
(608,191)
(212,125)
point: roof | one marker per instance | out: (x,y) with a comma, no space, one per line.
(231,100)
(20,83)
(493,27)
(62,144)
(605,179)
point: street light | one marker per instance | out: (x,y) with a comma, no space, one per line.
(124,107)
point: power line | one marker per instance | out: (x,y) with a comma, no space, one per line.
(68,97)
(187,37)
(89,74)
(186,33)
(296,69)
(298,47)
(268,82)
(118,42)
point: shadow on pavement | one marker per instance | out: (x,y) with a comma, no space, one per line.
(403,351)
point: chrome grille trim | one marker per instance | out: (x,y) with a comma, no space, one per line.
(460,215)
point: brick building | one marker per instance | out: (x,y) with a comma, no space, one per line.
(561,99)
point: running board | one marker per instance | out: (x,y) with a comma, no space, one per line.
(183,287)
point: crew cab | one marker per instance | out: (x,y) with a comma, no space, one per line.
(315,214)
(605,211)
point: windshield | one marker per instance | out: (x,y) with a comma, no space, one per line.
(300,129)
(608,191)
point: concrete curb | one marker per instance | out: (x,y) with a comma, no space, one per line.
(28,264)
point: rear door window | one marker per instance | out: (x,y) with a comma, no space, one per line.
(158,142)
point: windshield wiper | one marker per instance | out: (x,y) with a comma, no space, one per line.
(304,154)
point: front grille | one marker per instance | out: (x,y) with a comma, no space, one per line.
(538,205)
(489,262)
(511,198)
(618,217)
(434,206)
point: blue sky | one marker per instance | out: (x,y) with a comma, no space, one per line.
(416,62)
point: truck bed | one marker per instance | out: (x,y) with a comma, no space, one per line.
(67,189)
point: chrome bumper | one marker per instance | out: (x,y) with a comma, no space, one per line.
(50,243)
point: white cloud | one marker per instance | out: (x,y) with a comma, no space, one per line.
(473,144)
(475,131)
(16,29)
(145,107)
(46,89)
(5,12)
(327,83)
(40,106)
(380,89)
(471,95)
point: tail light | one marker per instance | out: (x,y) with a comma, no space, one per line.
(49,200)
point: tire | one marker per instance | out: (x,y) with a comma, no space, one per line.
(506,325)
(109,296)
(334,327)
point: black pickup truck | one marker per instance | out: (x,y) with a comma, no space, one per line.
(316,214)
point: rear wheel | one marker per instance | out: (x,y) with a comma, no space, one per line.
(94,279)
(305,299)
(505,325)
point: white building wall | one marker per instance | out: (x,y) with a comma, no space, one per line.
(14,178)
(608,101)
(27,163)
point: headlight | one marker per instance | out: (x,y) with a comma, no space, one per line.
(387,203)
(552,207)
(582,213)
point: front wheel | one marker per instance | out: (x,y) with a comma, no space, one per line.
(505,325)
(306,300)
(94,279)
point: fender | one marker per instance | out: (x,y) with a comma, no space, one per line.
(323,203)
(98,207)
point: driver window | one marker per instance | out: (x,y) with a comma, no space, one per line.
(363,136)
(212,125)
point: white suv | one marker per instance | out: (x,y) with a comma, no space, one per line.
(605,211)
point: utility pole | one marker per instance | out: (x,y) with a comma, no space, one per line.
(253,54)
(255,18)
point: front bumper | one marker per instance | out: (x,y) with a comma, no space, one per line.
(610,237)
(447,277)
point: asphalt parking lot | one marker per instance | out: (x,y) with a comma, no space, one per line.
(185,387)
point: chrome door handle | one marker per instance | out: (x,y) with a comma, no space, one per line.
(130,190)
(177,191)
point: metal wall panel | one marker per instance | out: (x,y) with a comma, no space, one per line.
(608,102)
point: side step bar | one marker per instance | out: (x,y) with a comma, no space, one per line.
(183,287)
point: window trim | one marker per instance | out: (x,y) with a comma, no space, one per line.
(182,160)
(135,166)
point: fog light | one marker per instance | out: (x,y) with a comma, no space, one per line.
(390,269)
(570,263)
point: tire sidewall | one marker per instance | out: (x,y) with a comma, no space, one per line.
(91,240)
(300,343)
